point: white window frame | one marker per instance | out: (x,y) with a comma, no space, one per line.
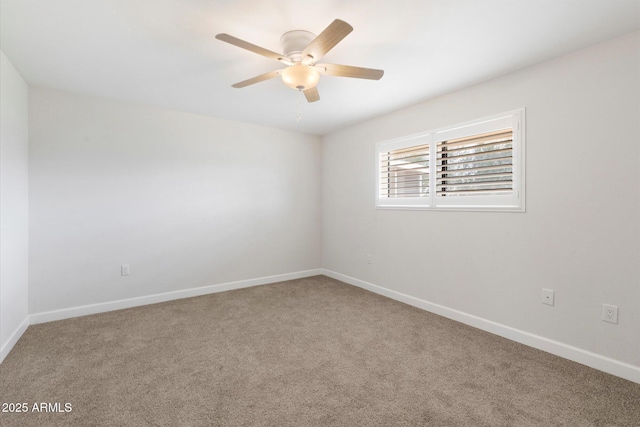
(514,202)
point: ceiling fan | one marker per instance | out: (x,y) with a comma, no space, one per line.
(301,51)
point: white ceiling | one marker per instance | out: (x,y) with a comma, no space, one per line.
(163,52)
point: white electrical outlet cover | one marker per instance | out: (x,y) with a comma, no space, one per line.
(610,313)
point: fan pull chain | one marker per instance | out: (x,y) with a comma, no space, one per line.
(299,107)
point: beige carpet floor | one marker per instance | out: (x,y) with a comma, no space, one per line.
(309,352)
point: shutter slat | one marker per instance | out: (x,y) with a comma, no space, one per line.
(477,139)
(405,166)
(401,164)
(426,194)
(387,158)
(401,172)
(424,147)
(407,188)
(475,192)
(411,183)
(476,176)
(462,154)
(409,191)
(490,184)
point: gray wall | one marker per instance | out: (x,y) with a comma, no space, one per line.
(580,235)
(187,201)
(14,205)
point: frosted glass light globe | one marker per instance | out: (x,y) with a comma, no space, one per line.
(300,76)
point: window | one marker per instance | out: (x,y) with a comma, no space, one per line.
(472,166)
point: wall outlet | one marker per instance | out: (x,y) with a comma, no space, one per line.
(547,296)
(125,270)
(610,313)
(369,259)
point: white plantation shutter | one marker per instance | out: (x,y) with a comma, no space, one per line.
(405,172)
(476,165)
(472,166)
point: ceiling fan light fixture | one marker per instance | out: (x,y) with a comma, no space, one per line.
(300,77)
(300,51)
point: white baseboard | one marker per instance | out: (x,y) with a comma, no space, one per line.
(13,339)
(84,310)
(593,360)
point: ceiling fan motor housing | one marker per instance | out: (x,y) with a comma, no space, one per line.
(294,42)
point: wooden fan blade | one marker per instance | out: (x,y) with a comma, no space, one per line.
(252,48)
(312,94)
(258,79)
(349,71)
(331,36)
